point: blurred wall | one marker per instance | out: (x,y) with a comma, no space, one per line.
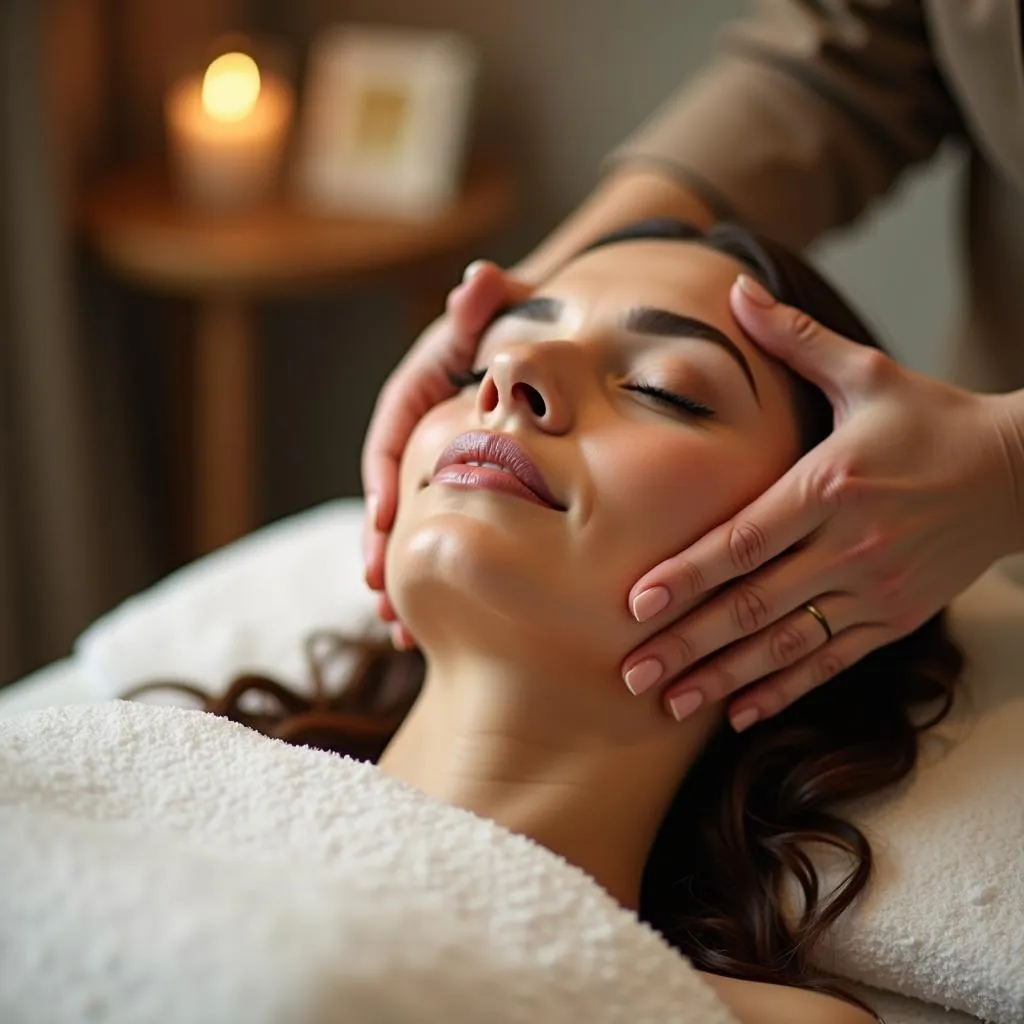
(558,91)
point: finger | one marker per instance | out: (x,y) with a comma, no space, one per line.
(368,528)
(401,638)
(781,690)
(375,545)
(836,365)
(402,403)
(746,607)
(767,652)
(788,512)
(385,609)
(421,380)
(485,290)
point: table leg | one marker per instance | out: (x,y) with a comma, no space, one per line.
(226,422)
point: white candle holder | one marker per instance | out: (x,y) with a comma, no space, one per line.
(228,126)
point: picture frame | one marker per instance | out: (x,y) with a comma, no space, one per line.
(385,120)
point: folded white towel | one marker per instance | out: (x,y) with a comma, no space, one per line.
(162,865)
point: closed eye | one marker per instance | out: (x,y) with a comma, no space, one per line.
(472,378)
(670,398)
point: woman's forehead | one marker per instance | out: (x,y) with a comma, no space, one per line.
(640,264)
(681,277)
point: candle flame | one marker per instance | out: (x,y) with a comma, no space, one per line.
(231,87)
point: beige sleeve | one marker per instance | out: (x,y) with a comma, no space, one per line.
(808,112)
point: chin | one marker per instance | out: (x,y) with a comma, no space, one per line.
(457,574)
(453,568)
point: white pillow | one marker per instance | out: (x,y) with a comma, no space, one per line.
(248,606)
(944,919)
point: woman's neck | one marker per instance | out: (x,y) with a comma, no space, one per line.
(565,756)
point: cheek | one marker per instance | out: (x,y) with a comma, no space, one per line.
(654,496)
(432,434)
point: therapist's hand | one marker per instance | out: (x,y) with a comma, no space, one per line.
(418,384)
(909,500)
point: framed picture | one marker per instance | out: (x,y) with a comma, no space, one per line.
(385,119)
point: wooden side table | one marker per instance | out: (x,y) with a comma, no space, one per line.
(226,263)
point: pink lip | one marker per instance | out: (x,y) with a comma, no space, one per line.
(522,479)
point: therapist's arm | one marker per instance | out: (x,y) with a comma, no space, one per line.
(634,190)
(803,118)
(807,113)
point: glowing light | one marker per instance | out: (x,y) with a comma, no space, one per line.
(231,87)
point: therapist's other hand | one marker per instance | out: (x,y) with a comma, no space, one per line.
(418,383)
(908,501)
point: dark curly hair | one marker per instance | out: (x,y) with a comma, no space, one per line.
(735,838)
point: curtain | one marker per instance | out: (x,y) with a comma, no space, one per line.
(81,83)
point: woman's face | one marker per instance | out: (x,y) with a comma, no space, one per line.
(630,389)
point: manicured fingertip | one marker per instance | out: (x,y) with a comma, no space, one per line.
(755,292)
(373,509)
(472,269)
(384,610)
(743,720)
(650,602)
(406,641)
(685,704)
(643,675)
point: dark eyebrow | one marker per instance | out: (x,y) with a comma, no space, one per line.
(641,320)
(541,308)
(648,320)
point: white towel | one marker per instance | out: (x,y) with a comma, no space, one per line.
(896,1009)
(943,918)
(162,865)
(247,606)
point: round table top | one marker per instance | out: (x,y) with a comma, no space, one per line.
(149,237)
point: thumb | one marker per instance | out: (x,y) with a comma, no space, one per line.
(485,290)
(828,360)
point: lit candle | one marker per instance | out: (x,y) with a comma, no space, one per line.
(227,131)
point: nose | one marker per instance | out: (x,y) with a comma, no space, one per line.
(527,382)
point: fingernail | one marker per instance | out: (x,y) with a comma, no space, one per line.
(643,675)
(685,704)
(755,291)
(745,719)
(649,602)
(372,505)
(398,639)
(472,270)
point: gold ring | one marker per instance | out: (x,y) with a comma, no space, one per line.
(821,618)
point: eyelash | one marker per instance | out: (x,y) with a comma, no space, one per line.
(465,380)
(669,398)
